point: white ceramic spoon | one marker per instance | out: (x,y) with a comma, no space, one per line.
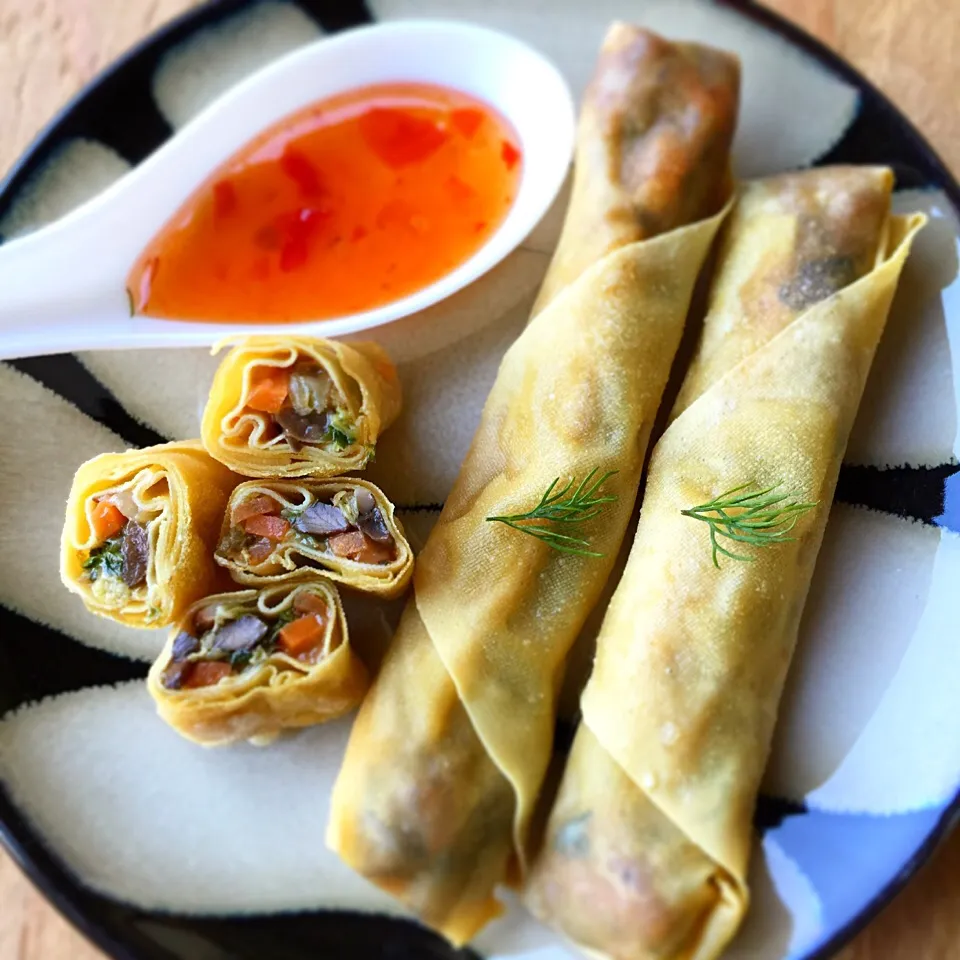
(62,288)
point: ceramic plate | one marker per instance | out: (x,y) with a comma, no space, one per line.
(158,849)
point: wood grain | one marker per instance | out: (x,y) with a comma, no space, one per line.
(49,48)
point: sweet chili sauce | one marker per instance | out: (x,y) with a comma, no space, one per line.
(347,205)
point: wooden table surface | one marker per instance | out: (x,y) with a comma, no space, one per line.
(49,48)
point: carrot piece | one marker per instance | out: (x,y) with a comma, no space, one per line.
(374,552)
(301,635)
(353,545)
(268,391)
(308,602)
(346,544)
(107,520)
(206,673)
(274,528)
(254,507)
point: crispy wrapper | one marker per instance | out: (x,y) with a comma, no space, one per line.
(293,559)
(648,842)
(244,439)
(181,493)
(450,749)
(277,694)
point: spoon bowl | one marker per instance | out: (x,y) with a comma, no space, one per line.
(63,288)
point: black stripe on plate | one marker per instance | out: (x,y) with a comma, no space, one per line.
(66,376)
(770,812)
(129,933)
(339,935)
(38,661)
(928,494)
(875,138)
(334,15)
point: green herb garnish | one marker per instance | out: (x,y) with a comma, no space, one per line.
(105,560)
(583,504)
(762,519)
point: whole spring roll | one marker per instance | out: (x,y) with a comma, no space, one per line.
(449,751)
(247,665)
(283,530)
(140,530)
(299,407)
(647,845)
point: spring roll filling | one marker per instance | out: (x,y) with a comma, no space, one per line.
(298,405)
(225,639)
(349,526)
(124,520)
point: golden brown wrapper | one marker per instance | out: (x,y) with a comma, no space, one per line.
(241,438)
(289,558)
(281,693)
(449,751)
(653,147)
(183,491)
(648,842)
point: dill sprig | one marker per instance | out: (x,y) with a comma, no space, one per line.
(563,507)
(763,518)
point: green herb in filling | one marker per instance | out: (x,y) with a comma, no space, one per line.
(240,659)
(105,560)
(340,430)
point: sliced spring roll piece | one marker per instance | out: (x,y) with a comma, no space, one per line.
(299,407)
(140,530)
(449,752)
(247,665)
(280,530)
(647,844)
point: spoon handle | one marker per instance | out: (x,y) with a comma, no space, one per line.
(60,289)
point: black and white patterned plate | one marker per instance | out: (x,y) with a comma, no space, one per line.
(159,850)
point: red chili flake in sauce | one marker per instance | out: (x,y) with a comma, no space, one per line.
(224,198)
(467,120)
(460,190)
(510,154)
(400,138)
(301,171)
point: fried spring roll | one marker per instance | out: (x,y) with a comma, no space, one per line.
(449,751)
(299,407)
(283,530)
(648,842)
(247,665)
(140,531)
